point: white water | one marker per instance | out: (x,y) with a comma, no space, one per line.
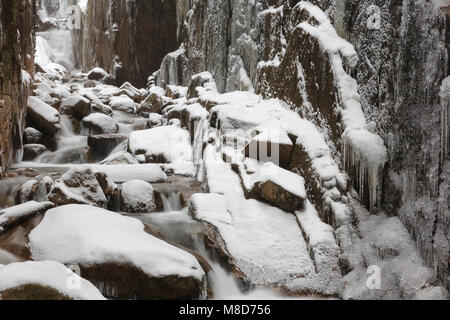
(7,258)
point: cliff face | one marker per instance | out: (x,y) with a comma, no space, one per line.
(400,65)
(127,38)
(403,61)
(16,70)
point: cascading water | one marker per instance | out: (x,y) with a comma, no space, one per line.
(72,148)
(177,226)
(172,202)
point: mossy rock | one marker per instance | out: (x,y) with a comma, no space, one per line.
(33,292)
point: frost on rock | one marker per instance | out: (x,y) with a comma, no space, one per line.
(51,279)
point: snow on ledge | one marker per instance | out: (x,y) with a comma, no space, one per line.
(361,148)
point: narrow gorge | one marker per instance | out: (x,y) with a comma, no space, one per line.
(235,149)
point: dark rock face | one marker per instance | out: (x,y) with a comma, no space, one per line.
(403,62)
(16,54)
(128,39)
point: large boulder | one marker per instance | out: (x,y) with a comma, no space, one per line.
(43,117)
(101,146)
(137,197)
(76,106)
(116,254)
(98,123)
(78,186)
(46,280)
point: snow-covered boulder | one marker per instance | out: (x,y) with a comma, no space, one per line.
(46,280)
(123,103)
(137,196)
(97,74)
(268,144)
(200,84)
(45,185)
(14,215)
(121,157)
(272,184)
(129,90)
(43,117)
(116,254)
(76,106)
(32,151)
(155,119)
(98,123)
(162,145)
(78,186)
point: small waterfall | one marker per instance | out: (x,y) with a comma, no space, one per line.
(172,202)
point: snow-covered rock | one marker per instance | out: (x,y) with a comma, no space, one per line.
(121,157)
(98,123)
(27,191)
(126,172)
(21,212)
(45,280)
(129,90)
(97,74)
(78,186)
(102,145)
(116,252)
(123,103)
(43,117)
(162,144)
(137,196)
(76,106)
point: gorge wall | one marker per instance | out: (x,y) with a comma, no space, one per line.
(402,62)
(127,38)
(16,71)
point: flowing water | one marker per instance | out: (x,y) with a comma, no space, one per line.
(177,226)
